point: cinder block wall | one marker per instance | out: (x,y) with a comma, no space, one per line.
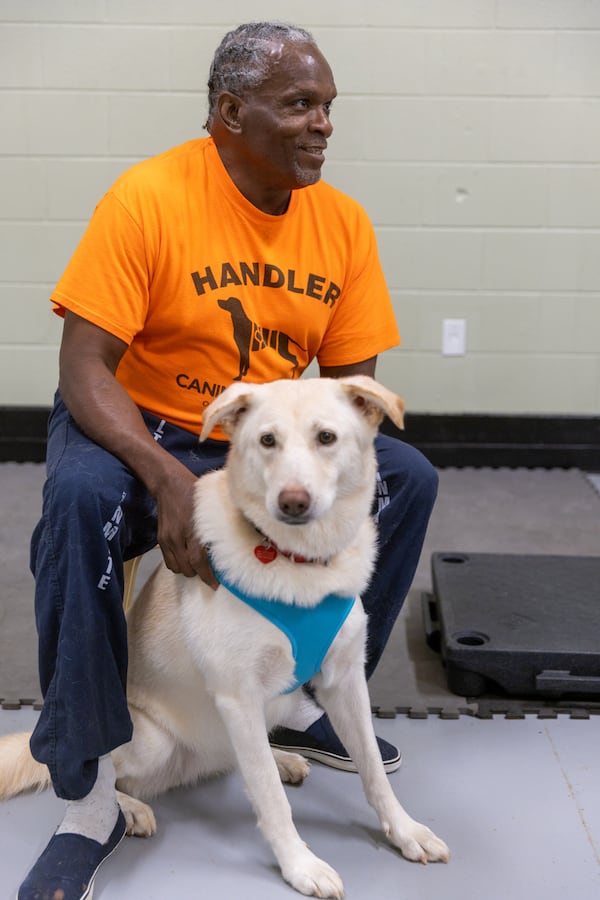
(469,129)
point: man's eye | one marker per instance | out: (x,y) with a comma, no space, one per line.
(267,440)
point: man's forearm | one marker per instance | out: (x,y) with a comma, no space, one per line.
(106,414)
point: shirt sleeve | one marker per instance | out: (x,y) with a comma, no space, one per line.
(363,323)
(106,281)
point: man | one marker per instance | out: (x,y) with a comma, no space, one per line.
(223,259)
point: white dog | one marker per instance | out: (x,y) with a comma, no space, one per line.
(287,520)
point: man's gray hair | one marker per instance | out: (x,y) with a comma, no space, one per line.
(242,61)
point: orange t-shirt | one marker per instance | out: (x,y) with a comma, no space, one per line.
(206,289)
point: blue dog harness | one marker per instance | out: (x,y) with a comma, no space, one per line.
(310,629)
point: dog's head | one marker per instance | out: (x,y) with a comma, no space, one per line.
(302,451)
(371,399)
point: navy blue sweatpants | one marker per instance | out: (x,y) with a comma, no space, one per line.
(96,515)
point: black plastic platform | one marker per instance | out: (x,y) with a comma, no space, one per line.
(527,625)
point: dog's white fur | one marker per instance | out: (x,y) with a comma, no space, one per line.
(207,672)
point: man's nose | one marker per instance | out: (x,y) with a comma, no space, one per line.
(321,122)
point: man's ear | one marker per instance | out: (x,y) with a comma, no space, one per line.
(228,110)
(228,409)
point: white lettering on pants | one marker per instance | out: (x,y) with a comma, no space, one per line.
(382,494)
(105,579)
(109,531)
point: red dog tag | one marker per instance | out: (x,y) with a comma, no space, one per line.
(265,554)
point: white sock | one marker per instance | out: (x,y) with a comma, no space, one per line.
(304,713)
(95,816)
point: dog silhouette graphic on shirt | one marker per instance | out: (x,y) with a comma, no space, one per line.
(250,337)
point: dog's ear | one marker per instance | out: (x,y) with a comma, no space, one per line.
(373,399)
(227,409)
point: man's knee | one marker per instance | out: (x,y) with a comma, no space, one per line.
(87,488)
(407,467)
(424,475)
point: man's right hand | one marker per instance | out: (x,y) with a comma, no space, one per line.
(182,552)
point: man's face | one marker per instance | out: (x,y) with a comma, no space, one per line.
(285,122)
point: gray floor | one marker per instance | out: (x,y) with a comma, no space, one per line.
(518,802)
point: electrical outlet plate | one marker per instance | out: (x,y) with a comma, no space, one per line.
(454,337)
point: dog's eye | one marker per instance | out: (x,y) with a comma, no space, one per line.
(267,440)
(327,437)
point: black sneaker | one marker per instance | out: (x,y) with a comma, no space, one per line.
(321,743)
(68,866)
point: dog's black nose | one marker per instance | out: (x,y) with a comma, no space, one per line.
(294,502)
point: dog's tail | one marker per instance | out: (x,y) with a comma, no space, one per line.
(19,772)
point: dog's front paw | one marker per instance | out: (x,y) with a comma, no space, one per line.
(314,877)
(292,767)
(138,816)
(418,843)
